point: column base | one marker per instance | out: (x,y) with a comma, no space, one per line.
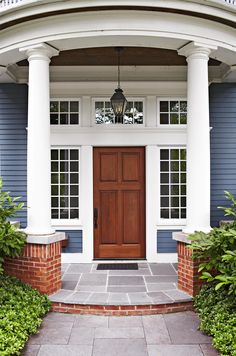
(39,264)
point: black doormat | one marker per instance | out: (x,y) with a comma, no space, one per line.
(117,266)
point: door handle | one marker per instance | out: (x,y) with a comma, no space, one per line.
(95,217)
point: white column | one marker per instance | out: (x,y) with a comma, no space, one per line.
(38,145)
(198,139)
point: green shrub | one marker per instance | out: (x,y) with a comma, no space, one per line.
(217,312)
(21,312)
(12,239)
(218,251)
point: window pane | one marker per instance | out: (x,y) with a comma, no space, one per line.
(164,119)
(183,202)
(74,155)
(164,154)
(64,166)
(74,190)
(54,178)
(164,106)
(183,189)
(54,106)
(74,119)
(183,213)
(54,119)
(174,106)
(64,119)
(64,214)
(74,202)
(174,213)
(54,154)
(64,155)
(74,106)
(174,119)
(54,166)
(64,190)
(174,154)
(183,154)
(183,178)
(165,213)
(55,213)
(174,190)
(74,166)
(74,213)
(64,202)
(64,178)
(74,178)
(175,202)
(175,178)
(183,119)
(164,202)
(164,166)
(183,106)
(164,177)
(54,202)
(54,189)
(183,166)
(64,106)
(175,166)
(164,189)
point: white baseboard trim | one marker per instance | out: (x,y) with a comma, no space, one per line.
(167,258)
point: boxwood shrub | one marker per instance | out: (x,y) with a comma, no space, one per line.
(217,312)
(21,312)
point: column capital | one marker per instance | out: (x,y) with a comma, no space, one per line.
(196,50)
(39,51)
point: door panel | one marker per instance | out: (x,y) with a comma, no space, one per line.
(119,197)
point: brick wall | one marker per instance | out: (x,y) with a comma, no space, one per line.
(188,276)
(39,265)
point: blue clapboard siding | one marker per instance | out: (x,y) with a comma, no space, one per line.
(165,243)
(223,146)
(75,244)
(13,144)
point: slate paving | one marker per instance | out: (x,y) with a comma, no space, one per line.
(174,334)
(152,283)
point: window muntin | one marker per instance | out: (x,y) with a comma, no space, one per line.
(64,183)
(173,183)
(64,112)
(133,113)
(173,112)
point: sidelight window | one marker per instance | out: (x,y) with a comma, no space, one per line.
(173,183)
(65,183)
(64,112)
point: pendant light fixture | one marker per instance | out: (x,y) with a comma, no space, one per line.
(118,100)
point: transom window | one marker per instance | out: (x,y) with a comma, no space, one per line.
(65,183)
(133,113)
(173,183)
(64,112)
(173,112)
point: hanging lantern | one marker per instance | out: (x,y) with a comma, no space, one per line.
(118,100)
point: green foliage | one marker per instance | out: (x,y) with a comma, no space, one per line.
(217,312)
(229,211)
(21,310)
(11,239)
(217,250)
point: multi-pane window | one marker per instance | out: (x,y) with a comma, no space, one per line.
(65,183)
(105,115)
(173,112)
(64,112)
(173,183)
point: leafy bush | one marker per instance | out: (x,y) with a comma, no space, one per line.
(11,239)
(217,312)
(21,310)
(218,251)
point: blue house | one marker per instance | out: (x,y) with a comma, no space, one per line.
(118,186)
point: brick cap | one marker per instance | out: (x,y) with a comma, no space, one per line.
(46,239)
(181,237)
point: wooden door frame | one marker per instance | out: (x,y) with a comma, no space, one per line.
(144,203)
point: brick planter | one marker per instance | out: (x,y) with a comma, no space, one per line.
(39,265)
(188,275)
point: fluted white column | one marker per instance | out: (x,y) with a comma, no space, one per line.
(38,145)
(198,139)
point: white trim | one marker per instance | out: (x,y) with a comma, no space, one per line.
(151,202)
(170,98)
(167,258)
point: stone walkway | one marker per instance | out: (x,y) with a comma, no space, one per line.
(85,335)
(152,283)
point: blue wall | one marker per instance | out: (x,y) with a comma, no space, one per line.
(223,146)
(165,243)
(13,148)
(75,241)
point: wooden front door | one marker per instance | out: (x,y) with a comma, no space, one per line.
(119,202)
